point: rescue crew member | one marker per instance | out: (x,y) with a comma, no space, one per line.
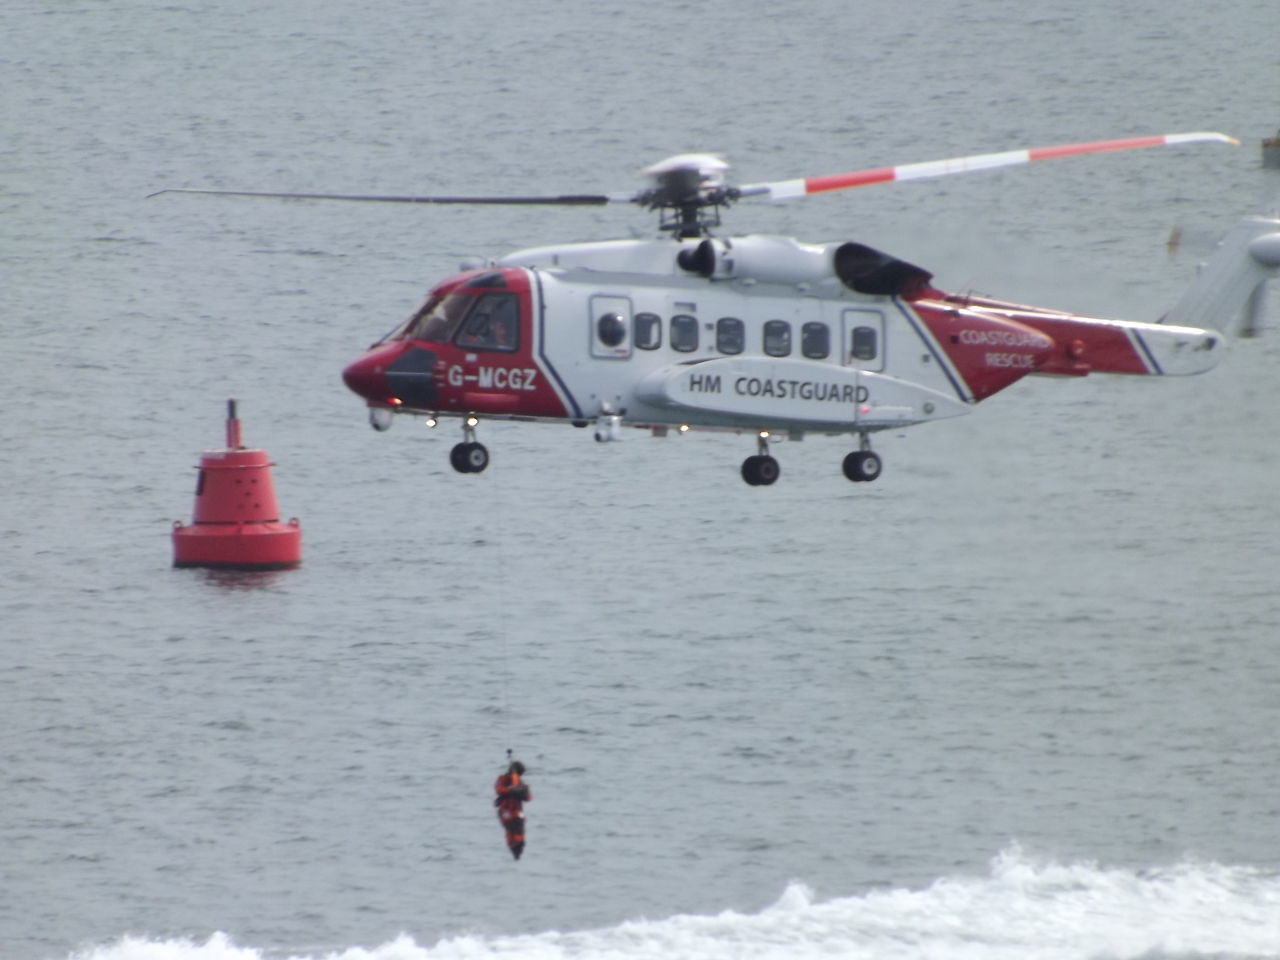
(512,792)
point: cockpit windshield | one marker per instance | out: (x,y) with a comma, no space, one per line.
(439,318)
(434,321)
(475,320)
(480,314)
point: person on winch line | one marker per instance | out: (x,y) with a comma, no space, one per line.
(512,792)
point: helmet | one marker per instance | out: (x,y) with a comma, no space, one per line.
(516,767)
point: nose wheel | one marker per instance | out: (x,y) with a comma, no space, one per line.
(469,456)
(762,469)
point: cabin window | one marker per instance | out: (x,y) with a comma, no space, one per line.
(611,328)
(865,343)
(648,330)
(684,333)
(777,338)
(491,324)
(731,337)
(815,340)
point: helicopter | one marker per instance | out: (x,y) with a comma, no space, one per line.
(760,334)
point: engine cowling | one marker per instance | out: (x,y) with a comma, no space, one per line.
(782,260)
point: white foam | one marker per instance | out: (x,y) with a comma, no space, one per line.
(1024,909)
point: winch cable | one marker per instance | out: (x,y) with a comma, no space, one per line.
(506,673)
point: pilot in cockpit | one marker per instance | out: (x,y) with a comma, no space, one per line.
(491,325)
(502,323)
(503,330)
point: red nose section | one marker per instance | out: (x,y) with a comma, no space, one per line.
(366,378)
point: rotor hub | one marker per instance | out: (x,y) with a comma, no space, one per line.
(688,191)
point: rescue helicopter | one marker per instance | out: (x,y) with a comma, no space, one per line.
(761,334)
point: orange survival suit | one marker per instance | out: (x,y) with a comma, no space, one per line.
(512,793)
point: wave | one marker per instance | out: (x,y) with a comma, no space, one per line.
(1024,909)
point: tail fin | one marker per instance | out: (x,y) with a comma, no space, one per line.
(1234,278)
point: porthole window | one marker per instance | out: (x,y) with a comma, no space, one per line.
(611,328)
(648,331)
(865,344)
(777,338)
(815,341)
(731,337)
(684,333)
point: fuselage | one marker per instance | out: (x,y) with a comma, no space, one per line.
(754,332)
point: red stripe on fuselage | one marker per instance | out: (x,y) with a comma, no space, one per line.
(989,353)
(1091,346)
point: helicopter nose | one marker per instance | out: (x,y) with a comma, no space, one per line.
(365,377)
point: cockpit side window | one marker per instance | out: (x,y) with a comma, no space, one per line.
(492,324)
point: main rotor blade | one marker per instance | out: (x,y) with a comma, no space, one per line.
(785,189)
(564,200)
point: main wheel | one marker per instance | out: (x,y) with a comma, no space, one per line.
(469,457)
(458,458)
(476,457)
(760,471)
(862,466)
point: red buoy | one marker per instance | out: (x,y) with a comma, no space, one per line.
(236,520)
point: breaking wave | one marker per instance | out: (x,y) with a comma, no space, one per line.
(1024,909)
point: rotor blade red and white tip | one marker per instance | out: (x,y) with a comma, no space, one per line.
(786,189)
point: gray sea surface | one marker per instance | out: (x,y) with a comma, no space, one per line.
(1050,628)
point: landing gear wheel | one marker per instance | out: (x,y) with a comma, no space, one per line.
(862,466)
(760,470)
(476,457)
(469,457)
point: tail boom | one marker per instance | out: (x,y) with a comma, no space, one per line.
(1084,345)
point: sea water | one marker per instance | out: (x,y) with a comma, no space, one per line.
(1017,698)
